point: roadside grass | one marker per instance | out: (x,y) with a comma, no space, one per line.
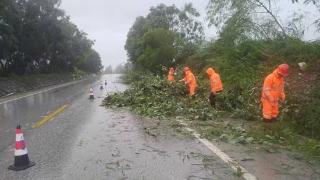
(271,137)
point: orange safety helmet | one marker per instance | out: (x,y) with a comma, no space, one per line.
(283,69)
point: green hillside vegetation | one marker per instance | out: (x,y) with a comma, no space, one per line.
(248,48)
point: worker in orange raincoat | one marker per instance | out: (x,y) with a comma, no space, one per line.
(273,91)
(215,84)
(190,80)
(171,75)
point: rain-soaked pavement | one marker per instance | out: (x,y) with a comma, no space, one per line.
(88,141)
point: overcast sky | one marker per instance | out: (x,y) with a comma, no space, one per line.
(108,21)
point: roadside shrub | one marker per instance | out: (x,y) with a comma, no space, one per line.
(304,112)
(153,96)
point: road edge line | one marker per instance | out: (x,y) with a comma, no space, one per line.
(223,156)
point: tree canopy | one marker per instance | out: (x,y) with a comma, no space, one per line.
(166,36)
(38,37)
(250,19)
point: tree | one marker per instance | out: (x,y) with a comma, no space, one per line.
(253,19)
(108,70)
(37,37)
(133,44)
(120,69)
(158,49)
(187,33)
(317,4)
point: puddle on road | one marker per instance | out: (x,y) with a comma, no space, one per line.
(119,145)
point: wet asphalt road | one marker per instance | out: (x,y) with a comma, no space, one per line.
(88,141)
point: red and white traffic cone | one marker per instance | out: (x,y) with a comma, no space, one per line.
(21,159)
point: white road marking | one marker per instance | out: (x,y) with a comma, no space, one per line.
(223,156)
(39,92)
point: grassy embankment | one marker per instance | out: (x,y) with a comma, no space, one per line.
(238,117)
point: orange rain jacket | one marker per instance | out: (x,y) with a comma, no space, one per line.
(215,81)
(171,75)
(272,92)
(191,82)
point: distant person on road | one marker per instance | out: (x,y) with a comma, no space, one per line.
(272,92)
(105,82)
(171,75)
(190,80)
(101,85)
(215,84)
(91,95)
